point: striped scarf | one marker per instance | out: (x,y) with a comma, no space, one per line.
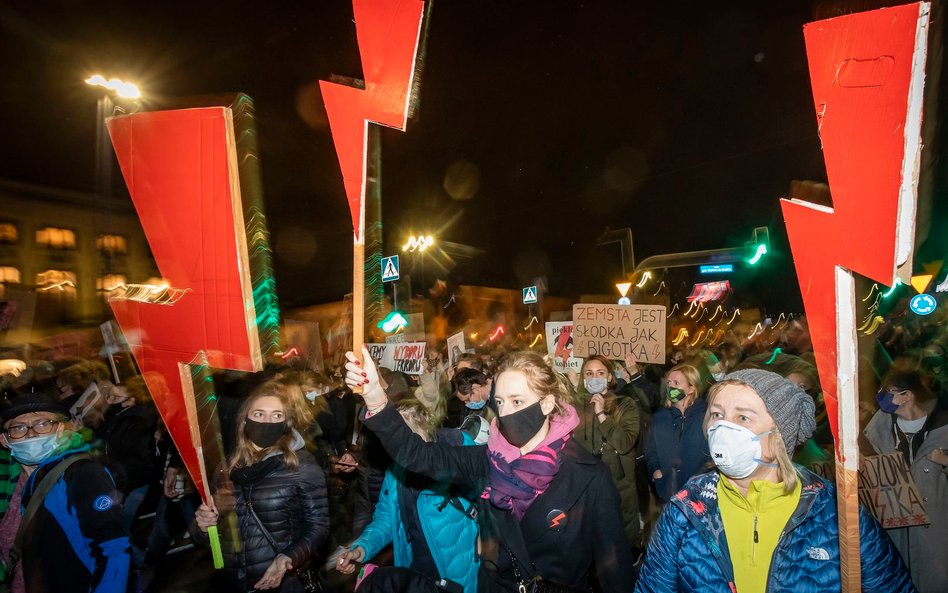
(517,480)
(9,476)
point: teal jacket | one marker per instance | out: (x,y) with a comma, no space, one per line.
(450,531)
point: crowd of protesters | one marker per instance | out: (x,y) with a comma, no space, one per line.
(495,473)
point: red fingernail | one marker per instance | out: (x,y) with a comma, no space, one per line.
(357,362)
(364,375)
(366,381)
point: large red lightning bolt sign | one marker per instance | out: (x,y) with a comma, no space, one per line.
(867,75)
(181,170)
(388,32)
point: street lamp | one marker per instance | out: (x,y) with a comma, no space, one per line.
(417,246)
(419,243)
(104,107)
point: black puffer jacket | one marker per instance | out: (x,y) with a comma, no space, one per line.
(292,504)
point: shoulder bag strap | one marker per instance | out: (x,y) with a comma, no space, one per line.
(253,514)
(36,500)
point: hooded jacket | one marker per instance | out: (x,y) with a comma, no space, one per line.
(923,546)
(688,552)
(445,520)
(573,526)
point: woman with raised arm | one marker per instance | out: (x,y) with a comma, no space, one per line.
(548,511)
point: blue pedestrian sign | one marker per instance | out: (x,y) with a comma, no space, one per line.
(529,295)
(922,304)
(390,268)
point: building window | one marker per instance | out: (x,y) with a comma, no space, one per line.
(114,244)
(56,282)
(109,283)
(9,274)
(8,232)
(55,238)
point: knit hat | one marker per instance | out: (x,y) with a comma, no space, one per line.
(31,402)
(791,408)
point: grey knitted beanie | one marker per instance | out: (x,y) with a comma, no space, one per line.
(791,407)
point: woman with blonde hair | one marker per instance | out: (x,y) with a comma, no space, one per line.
(760,523)
(547,510)
(676,448)
(278,495)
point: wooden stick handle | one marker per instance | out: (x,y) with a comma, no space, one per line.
(358,301)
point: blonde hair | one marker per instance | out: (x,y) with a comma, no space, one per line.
(786,471)
(418,418)
(541,378)
(298,417)
(692,377)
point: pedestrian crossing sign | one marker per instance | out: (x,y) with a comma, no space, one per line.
(529,295)
(390,268)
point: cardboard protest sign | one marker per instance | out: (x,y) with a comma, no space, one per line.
(559,345)
(456,348)
(304,337)
(888,490)
(617,330)
(403,357)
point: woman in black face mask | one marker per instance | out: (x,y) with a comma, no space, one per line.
(548,510)
(277,492)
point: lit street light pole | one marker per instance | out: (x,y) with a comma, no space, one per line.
(104,108)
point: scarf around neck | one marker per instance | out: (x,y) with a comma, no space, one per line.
(517,480)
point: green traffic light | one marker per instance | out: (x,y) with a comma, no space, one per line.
(392,322)
(761,252)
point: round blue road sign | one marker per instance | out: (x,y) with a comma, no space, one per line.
(922,304)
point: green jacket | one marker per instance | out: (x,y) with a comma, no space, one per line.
(614,441)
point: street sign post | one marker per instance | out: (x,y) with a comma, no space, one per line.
(390,268)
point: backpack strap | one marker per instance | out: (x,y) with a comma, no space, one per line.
(36,500)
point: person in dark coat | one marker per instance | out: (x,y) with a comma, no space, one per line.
(125,422)
(273,477)
(676,448)
(548,512)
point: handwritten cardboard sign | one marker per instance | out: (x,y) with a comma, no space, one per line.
(617,330)
(404,357)
(559,345)
(888,490)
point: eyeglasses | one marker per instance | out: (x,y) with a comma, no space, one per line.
(18,431)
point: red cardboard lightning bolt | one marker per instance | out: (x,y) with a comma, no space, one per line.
(181,168)
(388,32)
(867,74)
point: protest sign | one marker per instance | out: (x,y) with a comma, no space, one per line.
(559,345)
(617,330)
(304,337)
(404,357)
(456,348)
(887,489)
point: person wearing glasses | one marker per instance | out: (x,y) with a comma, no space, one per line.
(78,513)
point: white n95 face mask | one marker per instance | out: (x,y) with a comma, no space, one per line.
(735,449)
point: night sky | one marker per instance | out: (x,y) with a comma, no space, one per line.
(548,122)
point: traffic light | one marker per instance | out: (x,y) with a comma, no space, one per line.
(393,322)
(758,246)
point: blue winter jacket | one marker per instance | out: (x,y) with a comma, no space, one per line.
(678,446)
(688,551)
(451,533)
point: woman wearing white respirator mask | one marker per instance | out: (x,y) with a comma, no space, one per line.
(759,522)
(610,431)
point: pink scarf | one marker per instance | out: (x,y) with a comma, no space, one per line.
(517,480)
